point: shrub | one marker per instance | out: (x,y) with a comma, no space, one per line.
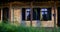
(12,28)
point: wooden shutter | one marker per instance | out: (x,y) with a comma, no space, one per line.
(23,13)
(49,14)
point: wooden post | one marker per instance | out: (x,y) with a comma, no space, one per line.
(1,14)
(13,15)
(55,16)
(31,12)
(10,12)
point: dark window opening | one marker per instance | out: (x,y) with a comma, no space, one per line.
(23,13)
(36,14)
(45,14)
(26,14)
(58,13)
(5,14)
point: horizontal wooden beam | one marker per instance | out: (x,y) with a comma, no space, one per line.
(49,3)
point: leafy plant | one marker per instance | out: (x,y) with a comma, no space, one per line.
(12,28)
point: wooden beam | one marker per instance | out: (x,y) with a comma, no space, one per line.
(1,14)
(31,13)
(55,17)
(16,3)
(10,6)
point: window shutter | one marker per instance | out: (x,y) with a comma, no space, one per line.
(49,14)
(34,14)
(23,13)
(38,13)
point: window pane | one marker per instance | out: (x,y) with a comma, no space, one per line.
(28,9)
(36,13)
(27,14)
(42,13)
(44,17)
(42,10)
(45,9)
(45,12)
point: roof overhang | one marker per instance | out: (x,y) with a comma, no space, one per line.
(17,3)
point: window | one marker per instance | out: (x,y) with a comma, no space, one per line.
(36,14)
(45,14)
(25,13)
(28,14)
(5,14)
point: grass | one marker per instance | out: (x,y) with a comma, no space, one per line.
(12,28)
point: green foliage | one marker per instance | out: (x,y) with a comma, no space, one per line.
(12,28)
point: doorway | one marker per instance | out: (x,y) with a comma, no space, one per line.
(5,14)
